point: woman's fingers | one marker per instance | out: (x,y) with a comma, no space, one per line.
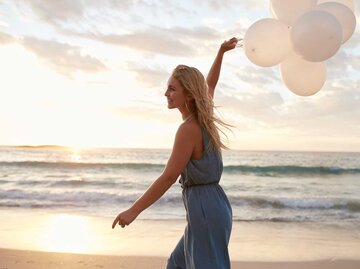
(119,220)
(229,44)
(233,41)
(124,218)
(116,220)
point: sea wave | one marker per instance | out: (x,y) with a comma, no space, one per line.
(82,165)
(78,182)
(298,203)
(290,170)
(76,198)
(81,199)
(270,171)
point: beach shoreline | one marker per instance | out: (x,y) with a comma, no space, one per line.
(19,259)
(250,241)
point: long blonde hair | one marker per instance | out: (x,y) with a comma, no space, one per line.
(201,105)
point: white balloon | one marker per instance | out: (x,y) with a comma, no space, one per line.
(343,14)
(316,36)
(302,77)
(267,42)
(289,10)
(349,3)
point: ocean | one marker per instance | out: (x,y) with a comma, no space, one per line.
(262,186)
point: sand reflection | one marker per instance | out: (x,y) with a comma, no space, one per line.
(67,233)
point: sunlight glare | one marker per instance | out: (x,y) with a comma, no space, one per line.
(75,154)
(67,233)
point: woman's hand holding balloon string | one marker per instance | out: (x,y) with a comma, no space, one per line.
(214,73)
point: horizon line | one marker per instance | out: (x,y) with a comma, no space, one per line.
(55,146)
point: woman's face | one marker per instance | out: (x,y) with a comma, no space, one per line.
(175,94)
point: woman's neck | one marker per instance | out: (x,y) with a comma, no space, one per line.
(185,114)
(187,118)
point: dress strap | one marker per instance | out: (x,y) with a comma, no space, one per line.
(206,140)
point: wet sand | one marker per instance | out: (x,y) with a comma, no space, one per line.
(20,259)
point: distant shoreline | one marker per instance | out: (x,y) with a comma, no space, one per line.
(39,146)
(140,148)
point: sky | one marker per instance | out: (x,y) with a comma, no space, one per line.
(88,73)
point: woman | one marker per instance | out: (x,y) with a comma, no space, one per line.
(196,155)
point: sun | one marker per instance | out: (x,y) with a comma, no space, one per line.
(67,233)
(75,154)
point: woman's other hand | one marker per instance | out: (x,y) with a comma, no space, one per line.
(125,218)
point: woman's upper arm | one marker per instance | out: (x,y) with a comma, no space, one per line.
(181,152)
(211,91)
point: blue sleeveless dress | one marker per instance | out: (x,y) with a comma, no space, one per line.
(204,244)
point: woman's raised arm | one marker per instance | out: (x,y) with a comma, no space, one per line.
(213,76)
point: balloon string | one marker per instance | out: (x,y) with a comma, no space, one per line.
(240,43)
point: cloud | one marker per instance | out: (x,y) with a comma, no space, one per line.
(220,4)
(69,11)
(258,104)
(105,21)
(65,11)
(257,76)
(54,11)
(172,41)
(354,40)
(6,39)
(344,62)
(146,112)
(150,41)
(153,77)
(197,32)
(113,22)
(175,41)
(330,113)
(3,23)
(64,58)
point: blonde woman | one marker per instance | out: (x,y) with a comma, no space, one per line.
(196,155)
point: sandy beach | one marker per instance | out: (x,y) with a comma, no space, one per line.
(21,259)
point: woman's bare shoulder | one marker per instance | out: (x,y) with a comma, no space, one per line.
(190,127)
(190,130)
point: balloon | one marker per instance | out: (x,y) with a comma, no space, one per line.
(289,10)
(343,14)
(316,36)
(267,42)
(348,3)
(302,77)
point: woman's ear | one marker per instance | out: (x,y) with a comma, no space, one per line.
(189,98)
